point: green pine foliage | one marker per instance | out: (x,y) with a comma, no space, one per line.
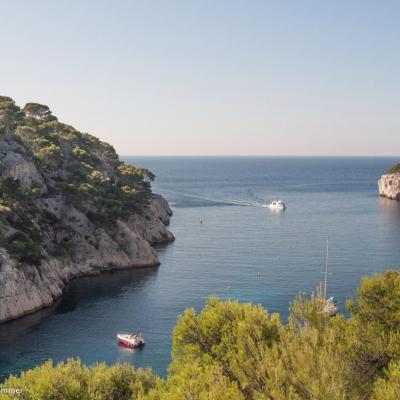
(17,209)
(73,381)
(233,351)
(85,171)
(394,169)
(388,387)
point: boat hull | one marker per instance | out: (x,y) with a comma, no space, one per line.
(276,205)
(126,341)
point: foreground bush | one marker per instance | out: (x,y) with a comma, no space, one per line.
(72,380)
(233,351)
(388,388)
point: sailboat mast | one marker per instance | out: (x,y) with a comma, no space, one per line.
(326,266)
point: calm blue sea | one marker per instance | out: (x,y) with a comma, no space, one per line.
(262,256)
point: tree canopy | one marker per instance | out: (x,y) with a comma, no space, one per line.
(10,114)
(38,111)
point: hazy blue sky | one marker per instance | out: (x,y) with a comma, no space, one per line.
(212,77)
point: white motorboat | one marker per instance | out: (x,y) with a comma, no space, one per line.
(276,205)
(130,340)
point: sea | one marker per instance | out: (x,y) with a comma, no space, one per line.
(227,245)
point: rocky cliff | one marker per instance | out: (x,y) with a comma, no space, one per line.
(389,184)
(68,207)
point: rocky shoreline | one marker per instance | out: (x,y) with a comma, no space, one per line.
(27,288)
(389,186)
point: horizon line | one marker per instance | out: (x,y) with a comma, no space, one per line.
(261,155)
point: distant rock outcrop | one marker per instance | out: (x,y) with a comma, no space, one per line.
(389,186)
(68,207)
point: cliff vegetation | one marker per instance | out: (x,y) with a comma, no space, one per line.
(394,169)
(42,158)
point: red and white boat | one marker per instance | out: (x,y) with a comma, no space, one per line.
(130,340)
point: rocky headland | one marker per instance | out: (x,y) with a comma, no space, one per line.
(389,184)
(68,207)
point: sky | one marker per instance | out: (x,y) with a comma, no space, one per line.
(211,77)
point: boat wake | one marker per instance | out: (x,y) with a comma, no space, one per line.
(229,202)
(244,203)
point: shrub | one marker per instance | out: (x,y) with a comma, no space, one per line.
(10,188)
(197,381)
(34,191)
(375,328)
(73,381)
(79,193)
(98,177)
(388,388)
(24,249)
(27,134)
(394,169)
(80,153)
(50,155)
(10,114)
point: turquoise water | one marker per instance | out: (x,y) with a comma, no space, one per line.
(263,256)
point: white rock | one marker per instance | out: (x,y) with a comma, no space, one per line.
(389,186)
(17,166)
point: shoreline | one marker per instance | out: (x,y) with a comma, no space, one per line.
(29,288)
(115,269)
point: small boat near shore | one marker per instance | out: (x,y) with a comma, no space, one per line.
(330,305)
(276,205)
(130,340)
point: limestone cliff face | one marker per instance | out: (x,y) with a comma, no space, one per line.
(389,186)
(26,288)
(68,207)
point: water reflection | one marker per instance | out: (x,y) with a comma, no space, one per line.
(389,209)
(23,326)
(389,225)
(81,291)
(109,284)
(389,215)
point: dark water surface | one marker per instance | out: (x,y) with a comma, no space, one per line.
(263,256)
